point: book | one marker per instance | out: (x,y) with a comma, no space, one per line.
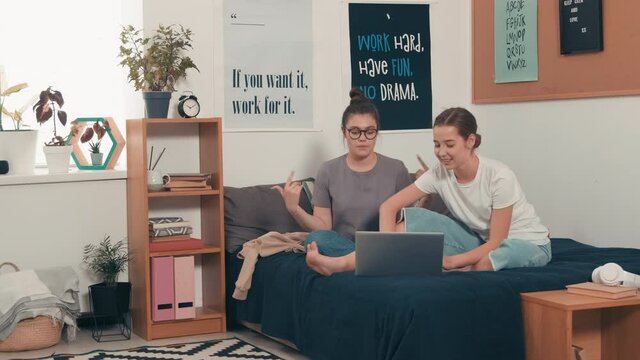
(176,245)
(188,177)
(182,230)
(195,188)
(185,183)
(169,225)
(170,238)
(164,219)
(601,291)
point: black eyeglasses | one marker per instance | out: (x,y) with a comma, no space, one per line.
(369,134)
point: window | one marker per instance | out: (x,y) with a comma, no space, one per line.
(71,45)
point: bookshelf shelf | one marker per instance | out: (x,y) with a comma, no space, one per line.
(204,250)
(210,315)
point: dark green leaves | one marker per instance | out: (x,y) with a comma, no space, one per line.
(156,63)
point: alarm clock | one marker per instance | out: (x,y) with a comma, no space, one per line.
(188,105)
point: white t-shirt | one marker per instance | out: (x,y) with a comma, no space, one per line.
(494,187)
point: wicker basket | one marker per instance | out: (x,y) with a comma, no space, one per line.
(31,334)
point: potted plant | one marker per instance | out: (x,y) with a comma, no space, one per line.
(109,298)
(156,63)
(96,155)
(57,151)
(17,145)
(94,146)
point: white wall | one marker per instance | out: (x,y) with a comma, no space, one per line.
(46,225)
(266,157)
(574,158)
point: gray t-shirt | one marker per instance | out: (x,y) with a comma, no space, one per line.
(355,197)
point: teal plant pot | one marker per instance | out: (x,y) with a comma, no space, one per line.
(156,103)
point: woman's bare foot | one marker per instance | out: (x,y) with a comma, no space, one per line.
(325,265)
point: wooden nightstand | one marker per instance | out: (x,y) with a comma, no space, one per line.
(604,328)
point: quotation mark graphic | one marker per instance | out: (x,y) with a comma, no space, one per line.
(234,16)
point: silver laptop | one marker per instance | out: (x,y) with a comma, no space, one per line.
(396,253)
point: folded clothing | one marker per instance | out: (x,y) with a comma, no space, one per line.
(51,292)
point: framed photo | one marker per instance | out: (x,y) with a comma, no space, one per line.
(580,26)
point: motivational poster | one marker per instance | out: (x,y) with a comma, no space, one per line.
(580,26)
(390,49)
(268,54)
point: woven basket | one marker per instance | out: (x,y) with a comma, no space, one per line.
(31,334)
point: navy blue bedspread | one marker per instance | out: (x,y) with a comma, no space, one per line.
(473,315)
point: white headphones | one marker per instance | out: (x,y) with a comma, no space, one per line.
(612,274)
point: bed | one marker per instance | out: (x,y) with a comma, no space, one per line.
(475,315)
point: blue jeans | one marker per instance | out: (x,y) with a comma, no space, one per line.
(330,243)
(458,239)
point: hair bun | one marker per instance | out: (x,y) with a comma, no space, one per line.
(357,96)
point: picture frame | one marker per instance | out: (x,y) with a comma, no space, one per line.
(581,27)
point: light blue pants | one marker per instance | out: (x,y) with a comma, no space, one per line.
(330,243)
(458,239)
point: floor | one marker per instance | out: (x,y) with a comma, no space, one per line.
(85,343)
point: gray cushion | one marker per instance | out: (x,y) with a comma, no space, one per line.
(252,211)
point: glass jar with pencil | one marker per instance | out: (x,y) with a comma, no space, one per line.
(156,178)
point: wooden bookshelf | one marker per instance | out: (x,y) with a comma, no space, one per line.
(210,316)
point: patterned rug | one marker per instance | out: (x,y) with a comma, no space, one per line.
(212,350)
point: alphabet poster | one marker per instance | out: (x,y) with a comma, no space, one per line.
(391,61)
(516,40)
(268,58)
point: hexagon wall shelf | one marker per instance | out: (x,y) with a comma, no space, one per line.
(117,144)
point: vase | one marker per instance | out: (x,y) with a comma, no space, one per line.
(58,158)
(96,159)
(156,180)
(18,148)
(156,103)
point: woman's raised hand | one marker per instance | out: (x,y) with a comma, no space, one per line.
(290,193)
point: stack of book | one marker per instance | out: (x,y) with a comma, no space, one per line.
(171,233)
(187,182)
(602,291)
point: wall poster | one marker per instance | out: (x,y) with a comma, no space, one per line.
(516,40)
(580,26)
(390,48)
(268,56)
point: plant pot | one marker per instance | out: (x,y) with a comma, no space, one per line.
(96,159)
(18,147)
(156,103)
(110,300)
(57,158)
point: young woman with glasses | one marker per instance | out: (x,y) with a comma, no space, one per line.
(349,189)
(494,226)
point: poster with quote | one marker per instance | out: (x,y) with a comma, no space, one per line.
(390,48)
(268,54)
(580,26)
(516,40)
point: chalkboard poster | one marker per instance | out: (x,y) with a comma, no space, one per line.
(391,61)
(580,26)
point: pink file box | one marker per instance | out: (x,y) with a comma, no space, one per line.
(184,267)
(162,292)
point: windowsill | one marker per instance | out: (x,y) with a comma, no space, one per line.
(42,176)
